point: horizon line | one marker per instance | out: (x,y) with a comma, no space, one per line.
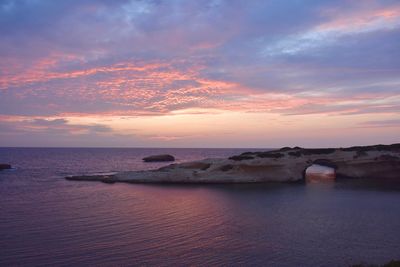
(138,147)
(142,147)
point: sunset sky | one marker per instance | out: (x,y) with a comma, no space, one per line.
(199,73)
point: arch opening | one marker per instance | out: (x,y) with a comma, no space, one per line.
(318,173)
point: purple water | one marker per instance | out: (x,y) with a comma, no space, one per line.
(46,220)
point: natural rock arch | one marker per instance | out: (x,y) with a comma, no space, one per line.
(320,169)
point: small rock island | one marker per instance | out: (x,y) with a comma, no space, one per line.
(4,166)
(159,158)
(282,165)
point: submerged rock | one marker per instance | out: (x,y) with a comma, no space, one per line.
(5,166)
(159,158)
(284,165)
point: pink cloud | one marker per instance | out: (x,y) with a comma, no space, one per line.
(363,18)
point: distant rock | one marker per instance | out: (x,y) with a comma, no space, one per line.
(5,166)
(159,158)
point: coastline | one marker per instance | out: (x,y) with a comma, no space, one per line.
(282,165)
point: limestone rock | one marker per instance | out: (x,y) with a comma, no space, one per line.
(284,165)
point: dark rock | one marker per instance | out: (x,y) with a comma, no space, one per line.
(240,157)
(326,163)
(196,165)
(108,180)
(314,151)
(5,166)
(159,158)
(225,168)
(360,153)
(103,178)
(387,158)
(270,155)
(295,153)
(311,151)
(393,147)
(392,263)
(247,153)
(205,167)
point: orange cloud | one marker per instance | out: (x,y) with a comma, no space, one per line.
(41,72)
(148,86)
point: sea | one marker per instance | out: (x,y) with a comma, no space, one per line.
(46,220)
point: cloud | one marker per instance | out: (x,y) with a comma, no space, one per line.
(49,123)
(381,123)
(51,126)
(343,24)
(156,58)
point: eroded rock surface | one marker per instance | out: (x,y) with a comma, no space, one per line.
(284,165)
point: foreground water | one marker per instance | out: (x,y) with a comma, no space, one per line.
(46,220)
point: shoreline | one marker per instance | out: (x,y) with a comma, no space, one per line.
(281,165)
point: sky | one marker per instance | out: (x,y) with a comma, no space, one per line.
(261,74)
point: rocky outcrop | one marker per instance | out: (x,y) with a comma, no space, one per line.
(284,165)
(4,166)
(159,158)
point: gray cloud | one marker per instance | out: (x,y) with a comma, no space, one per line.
(58,126)
(382,123)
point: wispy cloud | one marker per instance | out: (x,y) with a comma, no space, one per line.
(382,123)
(341,24)
(56,126)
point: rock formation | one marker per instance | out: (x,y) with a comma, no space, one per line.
(159,158)
(283,165)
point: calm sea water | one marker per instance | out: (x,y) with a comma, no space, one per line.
(46,220)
